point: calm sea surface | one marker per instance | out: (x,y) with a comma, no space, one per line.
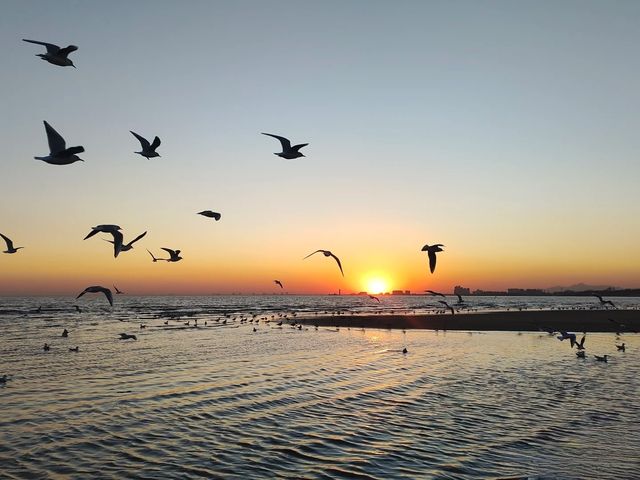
(224,401)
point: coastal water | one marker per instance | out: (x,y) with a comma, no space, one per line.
(221,400)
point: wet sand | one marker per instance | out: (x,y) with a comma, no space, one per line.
(524,321)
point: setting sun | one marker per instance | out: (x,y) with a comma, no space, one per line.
(377,285)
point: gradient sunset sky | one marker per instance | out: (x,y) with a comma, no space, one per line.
(508,131)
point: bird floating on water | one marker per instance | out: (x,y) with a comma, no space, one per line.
(59,154)
(431,253)
(603,358)
(46,347)
(75,349)
(621,348)
(580,354)
(208,213)
(65,333)
(148,149)
(127,336)
(278,282)
(98,289)
(289,152)
(55,55)
(9,242)
(327,253)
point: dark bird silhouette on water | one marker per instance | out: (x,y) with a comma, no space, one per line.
(327,253)
(148,149)
(10,247)
(604,302)
(567,336)
(174,255)
(46,347)
(289,152)
(98,289)
(59,154)
(55,55)
(65,333)
(447,306)
(460,299)
(74,349)
(603,358)
(278,282)
(431,253)
(208,213)
(580,354)
(435,293)
(580,344)
(127,336)
(621,348)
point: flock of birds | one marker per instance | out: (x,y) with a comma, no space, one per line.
(60,154)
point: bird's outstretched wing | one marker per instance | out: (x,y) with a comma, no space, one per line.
(286,144)
(51,48)
(155,144)
(117,242)
(298,147)
(432,292)
(56,142)
(432,260)
(173,253)
(339,264)
(153,256)
(7,241)
(137,238)
(67,50)
(143,141)
(317,251)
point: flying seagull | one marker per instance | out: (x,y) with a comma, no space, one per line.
(55,55)
(289,152)
(98,289)
(154,258)
(431,252)
(567,336)
(580,344)
(372,297)
(174,255)
(278,282)
(113,230)
(118,292)
(126,246)
(604,302)
(148,149)
(435,293)
(59,154)
(327,253)
(210,214)
(10,247)
(460,299)
(447,306)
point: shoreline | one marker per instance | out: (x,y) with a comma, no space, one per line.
(503,321)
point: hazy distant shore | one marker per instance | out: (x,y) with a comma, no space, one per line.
(525,321)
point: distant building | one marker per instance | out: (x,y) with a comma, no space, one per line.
(458,290)
(401,292)
(489,293)
(524,292)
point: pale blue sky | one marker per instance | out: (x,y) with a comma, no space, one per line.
(492,126)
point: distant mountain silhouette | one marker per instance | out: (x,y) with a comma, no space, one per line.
(581,287)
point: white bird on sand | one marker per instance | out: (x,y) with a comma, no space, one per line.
(148,149)
(174,255)
(59,154)
(431,253)
(98,289)
(10,247)
(210,214)
(55,55)
(125,247)
(327,253)
(289,152)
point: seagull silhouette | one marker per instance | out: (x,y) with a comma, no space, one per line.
(453,312)
(106,228)
(372,297)
(154,258)
(580,344)
(327,253)
(289,152)
(435,293)
(603,358)
(174,255)
(210,214)
(118,292)
(113,230)
(55,55)
(621,348)
(460,299)
(278,282)
(431,253)
(604,302)
(148,149)
(10,247)
(567,336)
(98,289)
(127,246)
(127,336)
(59,154)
